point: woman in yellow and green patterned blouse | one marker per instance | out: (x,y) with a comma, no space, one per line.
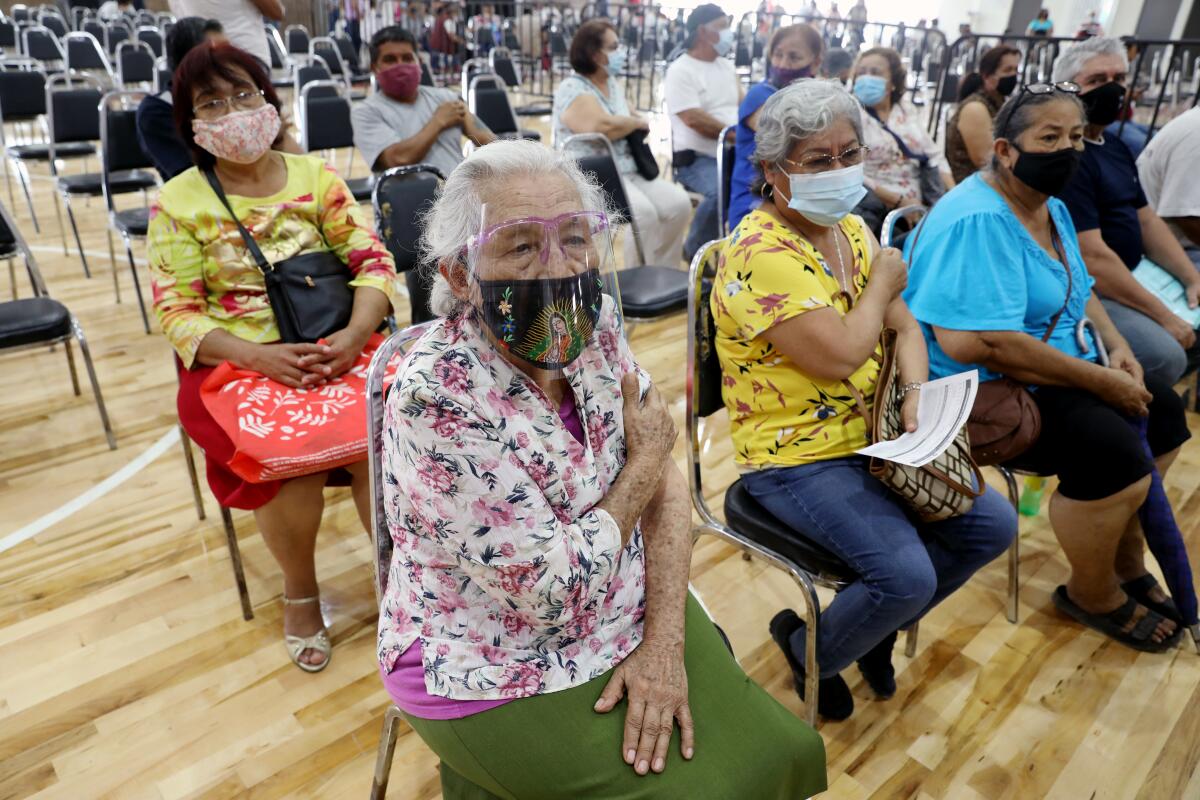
(211,299)
(800,297)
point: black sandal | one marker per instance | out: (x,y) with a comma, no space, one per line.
(1139,589)
(1112,624)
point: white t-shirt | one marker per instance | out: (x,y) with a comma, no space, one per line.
(1168,167)
(241,19)
(711,86)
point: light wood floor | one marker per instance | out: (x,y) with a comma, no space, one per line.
(126,669)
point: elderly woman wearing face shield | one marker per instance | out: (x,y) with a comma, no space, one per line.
(542,532)
(800,298)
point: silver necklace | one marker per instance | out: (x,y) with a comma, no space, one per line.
(837,246)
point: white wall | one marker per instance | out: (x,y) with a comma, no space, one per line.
(1119,17)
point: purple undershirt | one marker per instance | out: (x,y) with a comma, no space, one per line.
(405,684)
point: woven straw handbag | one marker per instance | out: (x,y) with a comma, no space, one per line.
(941,489)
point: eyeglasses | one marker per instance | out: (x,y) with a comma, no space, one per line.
(242,101)
(1067,87)
(850,157)
(581,237)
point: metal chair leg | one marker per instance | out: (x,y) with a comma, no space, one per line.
(62,229)
(78,242)
(71,366)
(235,556)
(112,261)
(23,176)
(12,277)
(910,639)
(812,669)
(91,370)
(387,748)
(1014,551)
(137,284)
(189,458)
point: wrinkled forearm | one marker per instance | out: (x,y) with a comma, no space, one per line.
(667,533)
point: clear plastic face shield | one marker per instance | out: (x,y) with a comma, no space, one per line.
(543,286)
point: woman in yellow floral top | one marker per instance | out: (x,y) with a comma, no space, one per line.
(211,299)
(800,297)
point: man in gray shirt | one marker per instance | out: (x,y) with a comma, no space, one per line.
(405,123)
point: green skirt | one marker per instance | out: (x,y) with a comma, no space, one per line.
(556,746)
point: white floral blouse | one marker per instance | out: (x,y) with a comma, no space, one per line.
(503,570)
(886,165)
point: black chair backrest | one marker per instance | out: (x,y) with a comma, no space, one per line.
(21,13)
(297,40)
(346,50)
(76,114)
(485,35)
(327,120)
(604,171)
(95,28)
(277,61)
(152,37)
(314,72)
(506,70)
(85,53)
(330,53)
(707,366)
(426,76)
(493,109)
(22,94)
(8,34)
(135,64)
(116,35)
(55,24)
(400,199)
(121,150)
(42,45)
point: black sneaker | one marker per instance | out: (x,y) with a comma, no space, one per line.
(834,701)
(876,667)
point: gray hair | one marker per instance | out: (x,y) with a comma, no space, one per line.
(804,108)
(1070,61)
(454,217)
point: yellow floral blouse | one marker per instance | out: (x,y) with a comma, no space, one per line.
(204,278)
(778,415)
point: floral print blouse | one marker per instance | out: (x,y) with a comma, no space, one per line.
(204,277)
(886,165)
(503,571)
(778,415)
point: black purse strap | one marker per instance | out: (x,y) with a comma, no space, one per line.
(920,158)
(264,265)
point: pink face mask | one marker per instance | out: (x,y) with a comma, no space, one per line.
(242,137)
(399,81)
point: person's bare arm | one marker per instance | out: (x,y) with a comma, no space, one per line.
(476,131)
(701,122)
(586,115)
(1114,280)
(1164,249)
(414,149)
(912,356)
(975,127)
(271,9)
(1190,227)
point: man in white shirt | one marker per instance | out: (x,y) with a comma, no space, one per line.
(1167,169)
(241,19)
(702,92)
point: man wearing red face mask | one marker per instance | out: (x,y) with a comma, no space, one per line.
(404,122)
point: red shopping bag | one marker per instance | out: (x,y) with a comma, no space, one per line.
(279,432)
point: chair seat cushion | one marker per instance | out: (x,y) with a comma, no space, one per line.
(133,221)
(362,188)
(652,291)
(32,320)
(8,249)
(41,152)
(533,110)
(746,516)
(90,182)
(531,135)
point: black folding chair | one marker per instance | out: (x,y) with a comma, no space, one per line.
(327,126)
(501,62)
(135,64)
(118,33)
(38,321)
(121,154)
(40,44)
(97,29)
(72,116)
(647,292)
(488,101)
(474,68)
(54,23)
(297,39)
(152,37)
(8,35)
(402,194)
(726,153)
(84,53)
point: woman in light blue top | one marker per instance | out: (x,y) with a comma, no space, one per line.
(591,101)
(998,284)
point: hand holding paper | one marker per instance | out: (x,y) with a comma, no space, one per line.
(944,407)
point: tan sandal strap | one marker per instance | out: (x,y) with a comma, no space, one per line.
(299,601)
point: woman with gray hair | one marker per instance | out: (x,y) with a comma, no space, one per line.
(800,299)
(999,284)
(542,532)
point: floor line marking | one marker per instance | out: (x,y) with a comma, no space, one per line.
(147,456)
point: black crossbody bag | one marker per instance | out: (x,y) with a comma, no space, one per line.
(310,294)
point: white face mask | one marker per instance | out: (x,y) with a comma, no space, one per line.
(616,61)
(825,197)
(725,42)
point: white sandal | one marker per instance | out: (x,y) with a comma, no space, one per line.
(319,641)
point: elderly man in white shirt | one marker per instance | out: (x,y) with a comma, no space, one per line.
(702,92)
(1167,169)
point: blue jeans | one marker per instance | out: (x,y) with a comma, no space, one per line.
(701,177)
(1162,357)
(905,567)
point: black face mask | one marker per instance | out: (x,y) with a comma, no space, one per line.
(1006,85)
(546,322)
(1048,173)
(1103,104)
